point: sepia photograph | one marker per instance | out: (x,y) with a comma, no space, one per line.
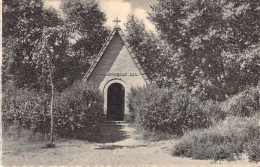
(130,83)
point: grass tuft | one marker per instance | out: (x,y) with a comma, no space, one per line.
(225,140)
(50,145)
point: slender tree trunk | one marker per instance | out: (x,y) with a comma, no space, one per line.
(219,89)
(52,99)
(257,100)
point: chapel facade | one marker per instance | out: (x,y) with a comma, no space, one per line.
(115,71)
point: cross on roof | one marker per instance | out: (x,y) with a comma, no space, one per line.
(117,21)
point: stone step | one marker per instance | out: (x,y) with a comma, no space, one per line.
(111,131)
(114,123)
(111,128)
(117,122)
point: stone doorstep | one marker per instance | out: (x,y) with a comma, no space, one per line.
(115,123)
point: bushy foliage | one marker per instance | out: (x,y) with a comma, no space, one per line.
(78,110)
(245,103)
(252,148)
(27,22)
(216,44)
(15,132)
(25,108)
(225,140)
(165,110)
(213,111)
(151,52)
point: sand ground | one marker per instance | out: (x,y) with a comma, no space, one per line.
(132,151)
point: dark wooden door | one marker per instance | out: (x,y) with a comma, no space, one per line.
(115,102)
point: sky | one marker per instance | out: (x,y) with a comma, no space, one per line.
(120,9)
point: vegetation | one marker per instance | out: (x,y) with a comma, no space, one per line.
(209,52)
(26,109)
(203,63)
(216,44)
(44,54)
(85,19)
(211,130)
(209,48)
(151,52)
(166,110)
(225,140)
(78,109)
(28,24)
(245,104)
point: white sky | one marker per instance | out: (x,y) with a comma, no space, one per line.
(120,9)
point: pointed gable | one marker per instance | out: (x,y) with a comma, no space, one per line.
(116,60)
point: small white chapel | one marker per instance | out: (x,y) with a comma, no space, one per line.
(115,71)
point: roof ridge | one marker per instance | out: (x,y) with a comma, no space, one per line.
(104,47)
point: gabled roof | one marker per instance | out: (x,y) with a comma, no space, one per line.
(102,51)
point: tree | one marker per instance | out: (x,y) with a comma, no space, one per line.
(205,35)
(50,49)
(169,19)
(242,54)
(23,23)
(151,52)
(37,51)
(86,20)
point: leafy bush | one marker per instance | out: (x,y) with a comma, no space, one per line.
(138,98)
(78,110)
(252,147)
(213,111)
(25,108)
(17,133)
(225,140)
(165,110)
(253,150)
(245,103)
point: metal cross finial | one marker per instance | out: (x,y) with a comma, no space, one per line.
(117,21)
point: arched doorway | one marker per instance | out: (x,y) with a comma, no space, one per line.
(115,102)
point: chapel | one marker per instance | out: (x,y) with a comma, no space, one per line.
(115,71)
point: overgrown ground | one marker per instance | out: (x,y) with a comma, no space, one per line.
(132,151)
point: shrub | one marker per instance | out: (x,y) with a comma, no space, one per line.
(165,110)
(252,146)
(78,110)
(25,108)
(140,99)
(245,103)
(225,140)
(253,150)
(17,133)
(213,111)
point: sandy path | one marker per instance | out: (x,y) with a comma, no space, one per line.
(129,152)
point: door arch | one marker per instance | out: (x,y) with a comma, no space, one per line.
(115,102)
